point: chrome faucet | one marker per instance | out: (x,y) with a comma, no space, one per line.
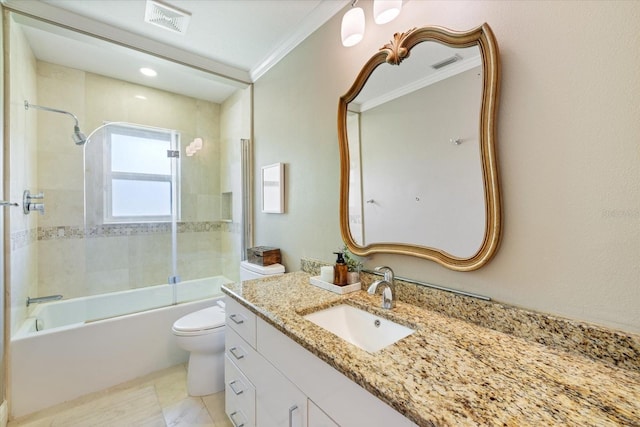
(388,290)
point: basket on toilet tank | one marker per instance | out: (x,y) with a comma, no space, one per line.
(263,255)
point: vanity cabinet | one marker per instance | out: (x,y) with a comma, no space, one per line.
(271,381)
(257,394)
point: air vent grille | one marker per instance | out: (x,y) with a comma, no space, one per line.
(445,62)
(167,17)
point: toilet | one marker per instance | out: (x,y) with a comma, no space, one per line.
(250,271)
(202,334)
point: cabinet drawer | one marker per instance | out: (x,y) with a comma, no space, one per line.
(240,394)
(241,320)
(239,419)
(242,355)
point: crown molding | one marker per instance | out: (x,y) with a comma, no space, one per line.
(325,10)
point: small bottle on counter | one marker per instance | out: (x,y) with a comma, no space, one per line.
(340,271)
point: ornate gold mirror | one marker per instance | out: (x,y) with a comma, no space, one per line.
(418,162)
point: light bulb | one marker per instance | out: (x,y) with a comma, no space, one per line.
(197,144)
(352,30)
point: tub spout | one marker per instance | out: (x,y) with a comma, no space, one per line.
(38,300)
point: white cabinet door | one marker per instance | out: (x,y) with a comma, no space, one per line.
(279,403)
(345,401)
(317,418)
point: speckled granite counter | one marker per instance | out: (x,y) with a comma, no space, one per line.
(451,372)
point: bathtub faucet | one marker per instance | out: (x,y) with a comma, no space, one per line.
(42,299)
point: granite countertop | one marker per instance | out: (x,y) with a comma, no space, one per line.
(451,372)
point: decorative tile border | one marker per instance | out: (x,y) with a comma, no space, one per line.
(23,238)
(595,342)
(20,239)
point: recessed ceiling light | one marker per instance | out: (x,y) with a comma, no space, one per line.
(144,98)
(148,72)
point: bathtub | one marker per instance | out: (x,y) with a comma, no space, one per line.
(69,348)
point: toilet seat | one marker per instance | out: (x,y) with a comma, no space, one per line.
(201,321)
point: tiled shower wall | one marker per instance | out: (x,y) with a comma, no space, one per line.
(54,253)
(22,173)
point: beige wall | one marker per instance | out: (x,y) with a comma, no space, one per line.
(568,135)
(235,124)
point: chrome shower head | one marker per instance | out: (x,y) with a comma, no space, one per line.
(78,137)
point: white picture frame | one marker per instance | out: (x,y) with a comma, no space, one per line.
(272,177)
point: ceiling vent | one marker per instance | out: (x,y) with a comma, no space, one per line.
(167,17)
(445,62)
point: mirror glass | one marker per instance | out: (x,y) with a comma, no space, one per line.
(419,146)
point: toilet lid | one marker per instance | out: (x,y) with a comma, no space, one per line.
(208,318)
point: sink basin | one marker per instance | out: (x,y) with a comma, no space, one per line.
(363,329)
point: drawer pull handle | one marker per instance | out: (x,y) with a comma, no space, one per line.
(237,322)
(237,392)
(235,424)
(234,351)
(293,408)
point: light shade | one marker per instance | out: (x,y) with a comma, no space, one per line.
(352,30)
(386,10)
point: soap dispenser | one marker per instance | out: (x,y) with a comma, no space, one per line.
(340,271)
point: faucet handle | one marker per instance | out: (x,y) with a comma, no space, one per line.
(388,273)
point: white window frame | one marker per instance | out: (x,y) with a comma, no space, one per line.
(173,137)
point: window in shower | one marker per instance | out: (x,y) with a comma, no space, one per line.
(140,174)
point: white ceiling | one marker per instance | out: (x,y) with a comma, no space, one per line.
(240,39)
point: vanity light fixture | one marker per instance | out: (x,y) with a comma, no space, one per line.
(352,29)
(386,10)
(149,72)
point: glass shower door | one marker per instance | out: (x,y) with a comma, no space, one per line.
(131,210)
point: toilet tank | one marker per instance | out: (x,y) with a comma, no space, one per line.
(250,271)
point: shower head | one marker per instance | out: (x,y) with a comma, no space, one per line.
(78,137)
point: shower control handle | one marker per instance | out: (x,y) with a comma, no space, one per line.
(39,207)
(29,206)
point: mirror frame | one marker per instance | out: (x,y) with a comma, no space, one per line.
(394,53)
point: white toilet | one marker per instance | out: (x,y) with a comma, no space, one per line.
(250,271)
(202,334)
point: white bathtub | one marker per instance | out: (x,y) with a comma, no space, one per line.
(89,344)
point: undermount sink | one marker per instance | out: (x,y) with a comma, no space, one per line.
(363,329)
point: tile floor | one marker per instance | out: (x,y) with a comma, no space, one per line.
(159,399)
